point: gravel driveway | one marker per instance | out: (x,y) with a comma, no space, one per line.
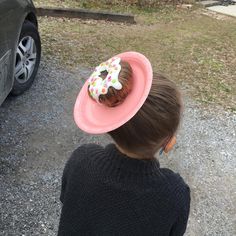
(38,135)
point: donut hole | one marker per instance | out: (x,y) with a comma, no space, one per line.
(104,74)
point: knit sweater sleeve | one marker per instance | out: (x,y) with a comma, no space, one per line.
(76,156)
(64,181)
(179,227)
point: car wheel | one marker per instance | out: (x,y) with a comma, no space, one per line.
(28,55)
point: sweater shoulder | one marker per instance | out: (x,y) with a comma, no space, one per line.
(85,150)
(83,153)
(172,177)
(177,186)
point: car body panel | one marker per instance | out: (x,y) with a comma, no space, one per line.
(12,15)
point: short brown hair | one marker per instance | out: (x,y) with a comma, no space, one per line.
(157,120)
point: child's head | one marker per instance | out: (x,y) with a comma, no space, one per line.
(140,110)
(156,121)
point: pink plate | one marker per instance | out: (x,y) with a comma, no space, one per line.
(96,118)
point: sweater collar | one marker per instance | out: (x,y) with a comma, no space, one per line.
(119,162)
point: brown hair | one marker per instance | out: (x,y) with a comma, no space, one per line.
(156,121)
(115,97)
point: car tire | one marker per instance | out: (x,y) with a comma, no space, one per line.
(28,55)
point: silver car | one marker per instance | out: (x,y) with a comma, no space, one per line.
(20,47)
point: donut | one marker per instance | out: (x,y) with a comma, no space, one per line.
(98,85)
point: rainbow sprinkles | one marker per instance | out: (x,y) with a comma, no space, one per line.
(99,86)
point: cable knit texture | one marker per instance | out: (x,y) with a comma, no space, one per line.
(105,192)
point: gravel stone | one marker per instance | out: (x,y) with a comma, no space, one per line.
(38,135)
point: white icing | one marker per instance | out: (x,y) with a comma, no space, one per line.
(99,86)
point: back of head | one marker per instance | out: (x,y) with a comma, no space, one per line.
(156,121)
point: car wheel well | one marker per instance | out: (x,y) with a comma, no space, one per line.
(32,18)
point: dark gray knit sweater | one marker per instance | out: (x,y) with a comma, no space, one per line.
(105,192)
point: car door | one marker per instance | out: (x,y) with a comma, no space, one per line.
(10,24)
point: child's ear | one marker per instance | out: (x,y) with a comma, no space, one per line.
(170,144)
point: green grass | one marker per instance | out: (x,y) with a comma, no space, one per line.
(145,14)
(114,5)
(192,49)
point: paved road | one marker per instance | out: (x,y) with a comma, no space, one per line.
(229,10)
(38,135)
